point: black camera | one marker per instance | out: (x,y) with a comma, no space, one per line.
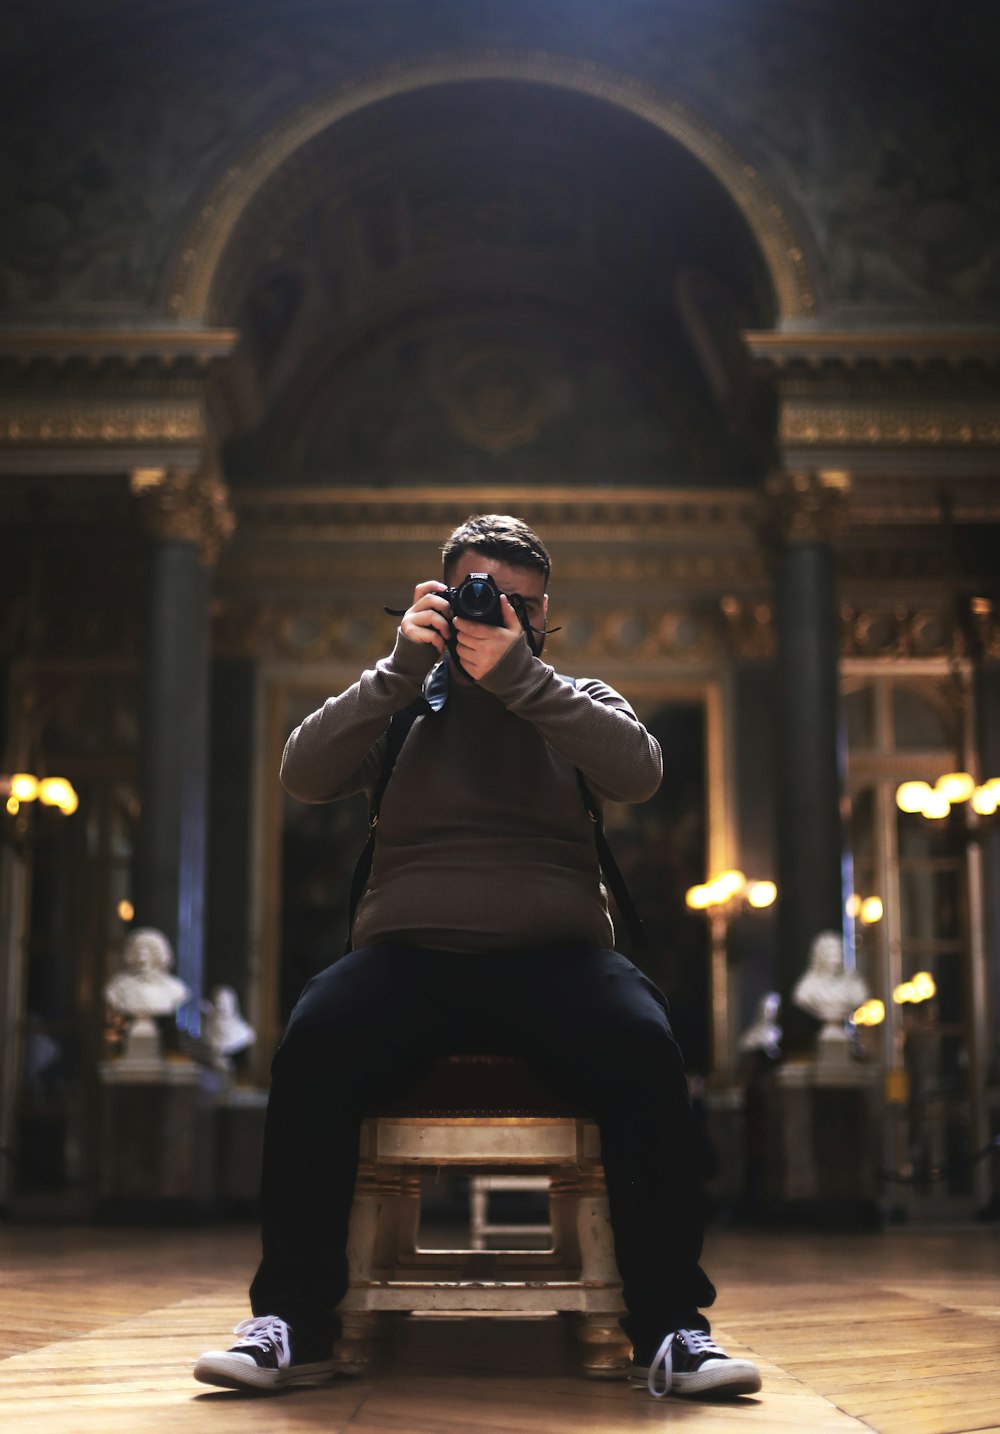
(477,597)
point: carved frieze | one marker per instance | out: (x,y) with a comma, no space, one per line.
(162,421)
(891,425)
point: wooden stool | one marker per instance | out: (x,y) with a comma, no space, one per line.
(475,1112)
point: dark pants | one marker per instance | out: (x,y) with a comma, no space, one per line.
(589,1025)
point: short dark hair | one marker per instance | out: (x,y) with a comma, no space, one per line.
(497,535)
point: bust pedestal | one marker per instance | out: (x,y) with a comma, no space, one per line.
(156,1139)
(820,1130)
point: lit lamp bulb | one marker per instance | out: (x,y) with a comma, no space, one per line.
(762,893)
(58,792)
(698,897)
(910,796)
(985,799)
(924,986)
(872,1013)
(955,786)
(24,787)
(936,806)
(871,910)
(729,884)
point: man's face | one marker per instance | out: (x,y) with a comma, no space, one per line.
(510,578)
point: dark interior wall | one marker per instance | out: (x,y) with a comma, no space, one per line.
(230,823)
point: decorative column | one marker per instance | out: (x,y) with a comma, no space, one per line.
(188,517)
(805,510)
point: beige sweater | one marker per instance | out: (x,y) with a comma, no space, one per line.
(483,840)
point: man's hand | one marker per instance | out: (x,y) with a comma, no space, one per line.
(426,620)
(480,646)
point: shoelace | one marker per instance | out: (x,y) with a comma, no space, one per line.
(265,1330)
(696,1340)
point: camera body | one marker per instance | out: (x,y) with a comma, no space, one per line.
(477,598)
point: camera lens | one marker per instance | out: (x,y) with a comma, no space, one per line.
(476,598)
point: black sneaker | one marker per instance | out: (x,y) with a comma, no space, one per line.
(269,1356)
(690,1362)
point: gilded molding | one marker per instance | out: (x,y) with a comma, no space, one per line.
(370,514)
(894,631)
(201,253)
(56,422)
(738,627)
(848,348)
(189,507)
(913,425)
(308,633)
(166,345)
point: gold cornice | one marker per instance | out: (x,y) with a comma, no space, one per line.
(120,421)
(165,345)
(202,250)
(421,514)
(885,346)
(891,425)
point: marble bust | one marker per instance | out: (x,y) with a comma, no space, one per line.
(763,1034)
(226,1032)
(144,990)
(828,990)
(146,987)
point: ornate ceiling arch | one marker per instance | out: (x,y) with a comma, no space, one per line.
(782,247)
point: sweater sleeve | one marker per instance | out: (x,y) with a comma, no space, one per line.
(338,750)
(590,724)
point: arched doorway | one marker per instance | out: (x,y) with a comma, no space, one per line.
(466,289)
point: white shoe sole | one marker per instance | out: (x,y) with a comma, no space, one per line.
(226,1370)
(734,1376)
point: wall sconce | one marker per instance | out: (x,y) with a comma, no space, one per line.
(22,788)
(921,987)
(722,897)
(950,790)
(866,909)
(729,889)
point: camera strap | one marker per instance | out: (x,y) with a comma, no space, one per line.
(396,734)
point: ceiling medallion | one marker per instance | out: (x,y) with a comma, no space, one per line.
(499,396)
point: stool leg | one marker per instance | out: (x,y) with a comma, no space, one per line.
(373,1239)
(356,1349)
(564,1212)
(478,1201)
(372,1234)
(408,1213)
(604,1345)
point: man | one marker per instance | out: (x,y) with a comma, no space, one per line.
(484,923)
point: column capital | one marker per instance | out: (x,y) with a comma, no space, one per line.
(188,506)
(805,507)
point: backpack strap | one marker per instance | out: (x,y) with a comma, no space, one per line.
(611,870)
(396,734)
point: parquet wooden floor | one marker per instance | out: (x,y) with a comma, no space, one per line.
(897,1333)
